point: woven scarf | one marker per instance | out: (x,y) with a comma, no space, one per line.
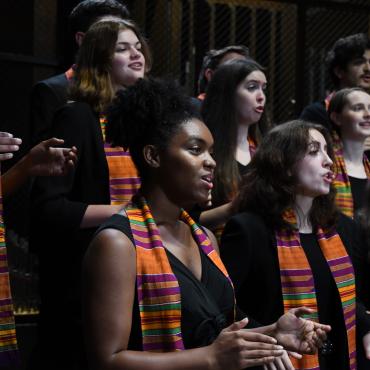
(220,229)
(8,341)
(124,181)
(298,286)
(157,287)
(343,198)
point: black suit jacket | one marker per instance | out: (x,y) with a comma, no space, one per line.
(46,97)
(248,250)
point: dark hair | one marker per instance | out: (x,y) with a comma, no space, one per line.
(362,216)
(213,59)
(88,12)
(343,52)
(148,113)
(92,82)
(269,187)
(219,114)
(337,103)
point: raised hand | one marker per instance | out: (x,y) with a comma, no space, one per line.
(8,145)
(46,160)
(235,348)
(298,334)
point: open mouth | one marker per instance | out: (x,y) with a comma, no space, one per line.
(208,180)
(329,177)
(136,66)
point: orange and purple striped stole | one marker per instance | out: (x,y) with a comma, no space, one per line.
(124,181)
(298,286)
(343,198)
(158,290)
(8,341)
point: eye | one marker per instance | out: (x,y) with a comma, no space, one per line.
(195,149)
(357,107)
(252,87)
(121,49)
(138,46)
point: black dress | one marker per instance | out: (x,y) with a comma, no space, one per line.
(207,305)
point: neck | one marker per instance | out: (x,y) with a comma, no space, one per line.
(163,210)
(242,134)
(302,207)
(353,151)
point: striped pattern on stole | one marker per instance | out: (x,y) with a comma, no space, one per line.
(220,229)
(343,198)
(158,290)
(124,181)
(298,285)
(8,341)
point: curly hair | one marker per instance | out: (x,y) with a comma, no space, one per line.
(88,12)
(92,83)
(269,187)
(220,115)
(343,52)
(148,113)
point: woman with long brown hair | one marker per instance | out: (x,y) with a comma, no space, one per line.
(289,246)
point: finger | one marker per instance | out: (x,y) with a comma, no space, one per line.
(257,361)
(260,353)
(286,364)
(300,311)
(272,366)
(52,142)
(257,337)
(237,325)
(8,148)
(322,327)
(253,345)
(4,157)
(296,355)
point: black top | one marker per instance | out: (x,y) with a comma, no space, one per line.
(248,250)
(328,303)
(206,306)
(358,189)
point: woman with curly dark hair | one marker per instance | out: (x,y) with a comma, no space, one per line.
(233,110)
(156,294)
(289,246)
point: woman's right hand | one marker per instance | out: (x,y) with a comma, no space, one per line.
(8,145)
(236,349)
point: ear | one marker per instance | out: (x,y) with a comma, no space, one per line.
(335,117)
(79,37)
(208,73)
(151,156)
(339,72)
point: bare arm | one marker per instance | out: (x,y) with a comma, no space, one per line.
(218,216)
(109,275)
(42,160)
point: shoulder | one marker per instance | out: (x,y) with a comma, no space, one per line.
(78,113)
(248,221)
(54,81)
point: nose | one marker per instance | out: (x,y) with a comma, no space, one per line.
(261,97)
(367,112)
(209,162)
(134,53)
(327,163)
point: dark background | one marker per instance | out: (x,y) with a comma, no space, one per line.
(290,38)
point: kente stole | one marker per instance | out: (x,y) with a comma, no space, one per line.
(343,198)
(158,290)
(220,229)
(8,341)
(124,181)
(298,286)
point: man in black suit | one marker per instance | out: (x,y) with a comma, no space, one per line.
(348,65)
(50,94)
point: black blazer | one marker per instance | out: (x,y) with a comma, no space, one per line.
(45,99)
(248,250)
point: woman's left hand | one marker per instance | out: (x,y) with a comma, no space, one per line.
(281,363)
(366,343)
(298,334)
